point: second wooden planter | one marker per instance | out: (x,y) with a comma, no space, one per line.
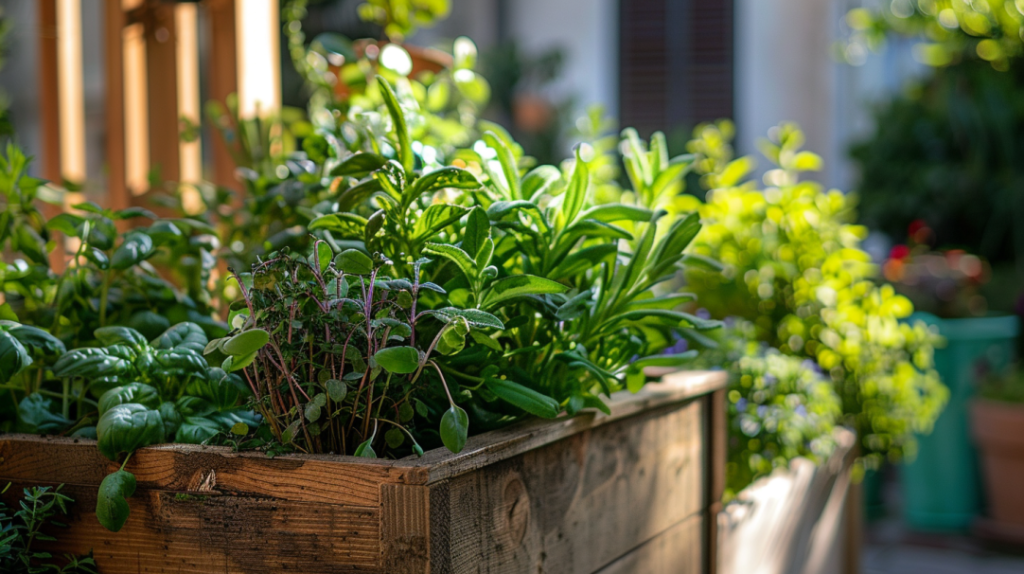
(633,491)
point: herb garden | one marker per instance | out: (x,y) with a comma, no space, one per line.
(401,344)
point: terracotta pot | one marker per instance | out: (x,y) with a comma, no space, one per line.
(998,429)
(423,60)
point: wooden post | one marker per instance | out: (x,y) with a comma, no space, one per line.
(117,188)
(162,86)
(49,112)
(222,80)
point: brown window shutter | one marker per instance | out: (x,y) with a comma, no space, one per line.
(675,63)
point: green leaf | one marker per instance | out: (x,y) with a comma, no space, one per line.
(508,165)
(178,362)
(111,502)
(676,360)
(404,146)
(14,358)
(394,438)
(365,450)
(519,286)
(477,230)
(137,393)
(398,360)
(343,225)
(184,335)
(197,430)
(124,428)
(437,217)
(354,262)
(355,195)
(358,165)
(246,342)
(135,248)
(446,177)
(233,363)
(575,307)
(36,416)
(190,406)
(66,223)
(90,364)
(336,389)
(539,181)
(612,212)
(455,428)
(583,259)
(576,193)
(524,397)
(474,317)
(312,412)
(120,336)
(455,255)
(324,255)
(670,248)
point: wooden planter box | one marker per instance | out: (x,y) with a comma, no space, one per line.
(629,492)
(800,520)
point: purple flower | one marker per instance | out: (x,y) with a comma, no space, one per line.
(761,410)
(770,379)
(741,405)
(801,410)
(703,313)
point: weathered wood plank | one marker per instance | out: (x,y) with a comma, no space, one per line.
(187,468)
(405,528)
(170,533)
(772,527)
(484,449)
(579,503)
(679,550)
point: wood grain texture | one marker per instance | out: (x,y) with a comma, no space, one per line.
(405,528)
(570,496)
(185,468)
(678,550)
(579,503)
(787,523)
(170,533)
(484,449)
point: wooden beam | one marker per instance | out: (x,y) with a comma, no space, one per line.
(223,79)
(162,85)
(113,36)
(49,114)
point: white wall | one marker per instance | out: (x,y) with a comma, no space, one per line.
(587,31)
(786,71)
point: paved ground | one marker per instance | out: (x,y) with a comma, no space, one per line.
(890,549)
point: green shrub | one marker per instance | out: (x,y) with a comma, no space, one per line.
(38,511)
(948,153)
(793,267)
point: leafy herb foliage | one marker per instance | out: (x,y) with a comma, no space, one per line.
(34,520)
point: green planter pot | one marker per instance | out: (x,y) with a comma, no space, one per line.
(941,487)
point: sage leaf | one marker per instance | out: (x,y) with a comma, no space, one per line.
(398,360)
(524,397)
(246,342)
(455,428)
(354,262)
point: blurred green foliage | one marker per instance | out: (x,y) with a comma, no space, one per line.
(780,407)
(794,268)
(953,30)
(950,152)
